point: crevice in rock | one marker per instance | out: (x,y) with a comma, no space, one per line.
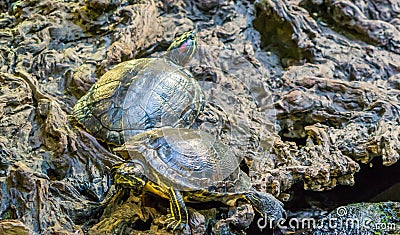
(299,141)
(371,180)
(276,36)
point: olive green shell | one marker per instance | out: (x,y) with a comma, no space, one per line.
(185,159)
(138,95)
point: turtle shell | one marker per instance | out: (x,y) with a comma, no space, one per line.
(185,159)
(139,95)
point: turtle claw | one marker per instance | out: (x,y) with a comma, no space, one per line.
(175,225)
(169,219)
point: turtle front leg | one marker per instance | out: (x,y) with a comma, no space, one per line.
(178,219)
(266,204)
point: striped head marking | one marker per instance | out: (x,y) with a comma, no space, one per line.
(183,48)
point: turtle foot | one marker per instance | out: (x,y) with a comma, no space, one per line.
(178,217)
(175,225)
(267,205)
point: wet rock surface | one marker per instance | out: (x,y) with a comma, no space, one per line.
(307,91)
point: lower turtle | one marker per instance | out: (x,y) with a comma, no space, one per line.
(185,165)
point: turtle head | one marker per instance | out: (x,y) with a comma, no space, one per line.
(129,175)
(182,49)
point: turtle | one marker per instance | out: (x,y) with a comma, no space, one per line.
(187,165)
(143,94)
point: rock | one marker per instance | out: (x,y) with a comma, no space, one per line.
(121,213)
(82,79)
(305,91)
(26,196)
(241,216)
(13,227)
(197,223)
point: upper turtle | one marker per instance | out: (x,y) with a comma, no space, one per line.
(143,94)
